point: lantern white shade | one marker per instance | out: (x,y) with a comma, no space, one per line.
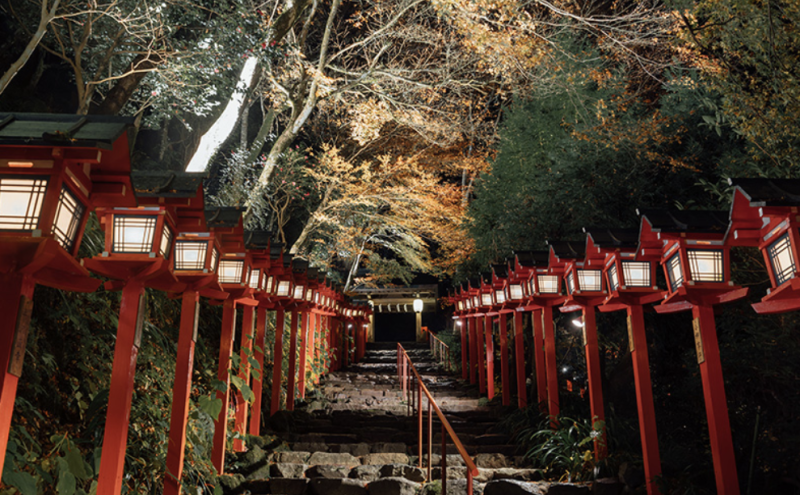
(283,288)
(515,292)
(590,280)
(486,299)
(674,271)
(299,292)
(499,297)
(636,273)
(613,277)
(166,240)
(21,202)
(418,305)
(781,259)
(230,271)
(270,283)
(133,233)
(255,275)
(706,265)
(548,284)
(190,255)
(69,213)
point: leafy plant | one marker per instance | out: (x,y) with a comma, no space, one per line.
(565,452)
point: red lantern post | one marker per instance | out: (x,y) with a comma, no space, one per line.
(517,279)
(696,261)
(631,283)
(53,168)
(544,292)
(585,290)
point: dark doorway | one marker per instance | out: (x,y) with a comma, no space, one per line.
(395,327)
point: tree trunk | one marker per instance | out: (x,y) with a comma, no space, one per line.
(125,87)
(261,137)
(47,16)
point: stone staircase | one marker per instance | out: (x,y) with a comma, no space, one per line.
(357,438)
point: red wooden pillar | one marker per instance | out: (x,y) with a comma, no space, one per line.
(181,390)
(541,366)
(258,379)
(550,363)
(311,347)
(473,348)
(291,387)
(479,342)
(464,349)
(301,375)
(318,348)
(519,353)
(277,362)
(487,328)
(16,303)
(719,427)
(120,394)
(595,378)
(223,374)
(504,360)
(245,349)
(644,398)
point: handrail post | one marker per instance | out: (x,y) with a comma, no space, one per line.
(419,419)
(444,459)
(469,482)
(430,438)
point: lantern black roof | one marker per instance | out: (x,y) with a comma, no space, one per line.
(500,270)
(166,184)
(257,239)
(68,130)
(299,265)
(275,250)
(530,259)
(287,260)
(570,250)
(313,273)
(223,216)
(698,221)
(769,192)
(613,238)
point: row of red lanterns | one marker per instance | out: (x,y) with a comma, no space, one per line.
(54,170)
(615,269)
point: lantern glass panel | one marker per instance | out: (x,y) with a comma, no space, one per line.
(255,275)
(515,292)
(283,288)
(21,202)
(133,233)
(468,304)
(499,297)
(486,299)
(570,283)
(613,277)
(460,305)
(548,284)
(270,282)
(706,265)
(475,302)
(299,292)
(166,240)
(214,259)
(782,259)
(190,255)
(636,273)
(675,272)
(309,295)
(531,286)
(68,219)
(230,271)
(590,280)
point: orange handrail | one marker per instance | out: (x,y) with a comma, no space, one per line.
(404,363)
(440,350)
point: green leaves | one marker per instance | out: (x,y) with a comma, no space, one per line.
(210,405)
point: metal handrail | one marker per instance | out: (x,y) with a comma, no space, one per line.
(440,350)
(404,364)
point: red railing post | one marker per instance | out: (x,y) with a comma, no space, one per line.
(444,459)
(430,438)
(419,419)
